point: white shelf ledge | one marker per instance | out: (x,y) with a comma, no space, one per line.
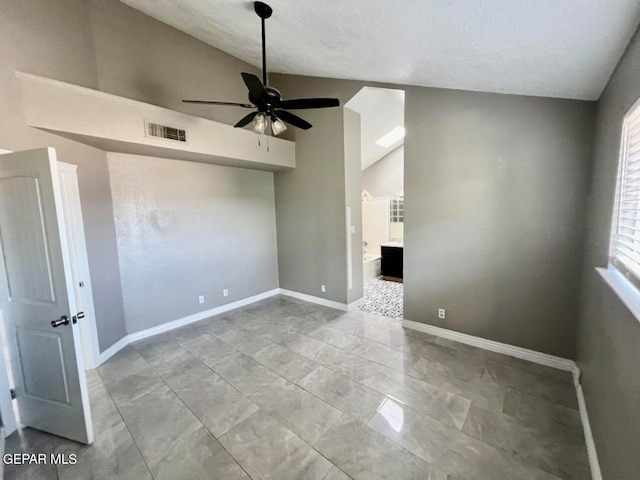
(117,124)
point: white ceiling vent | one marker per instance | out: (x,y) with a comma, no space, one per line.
(163,131)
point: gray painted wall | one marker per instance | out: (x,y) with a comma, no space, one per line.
(541,177)
(386,176)
(495,187)
(188,229)
(141,58)
(54,39)
(310,200)
(608,350)
(109,46)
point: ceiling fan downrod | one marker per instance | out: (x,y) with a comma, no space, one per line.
(264,11)
(270,108)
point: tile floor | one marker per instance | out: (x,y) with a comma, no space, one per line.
(283,389)
(383,298)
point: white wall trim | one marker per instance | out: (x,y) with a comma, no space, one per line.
(196,317)
(180,322)
(311,299)
(623,288)
(504,348)
(74,224)
(596,474)
(349,251)
(354,305)
(112,350)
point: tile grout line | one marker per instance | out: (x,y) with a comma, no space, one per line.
(187,406)
(440,389)
(248,398)
(305,333)
(275,417)
(204,426)
(260,408)
(419,412)
(125,424)
(348,378)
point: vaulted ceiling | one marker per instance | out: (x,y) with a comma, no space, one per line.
(565,48)
(381,111)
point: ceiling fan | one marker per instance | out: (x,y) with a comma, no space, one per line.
(271,109)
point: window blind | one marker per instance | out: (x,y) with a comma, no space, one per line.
(625,237)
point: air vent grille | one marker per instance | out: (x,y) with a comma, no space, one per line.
(163,131)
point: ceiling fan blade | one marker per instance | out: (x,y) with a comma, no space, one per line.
(246,120)
(305,103)
(294,120)
(230,104)
(253,83)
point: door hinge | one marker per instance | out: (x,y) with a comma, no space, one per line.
(13,393)
(78,316)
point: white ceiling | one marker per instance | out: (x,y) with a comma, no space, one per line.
(555,48)
(381,110)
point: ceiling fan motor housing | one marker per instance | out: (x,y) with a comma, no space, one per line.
(267,102)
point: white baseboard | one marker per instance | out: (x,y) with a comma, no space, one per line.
(196,317)
(532,356)
(112,350)
(312,299)
(354,305)
(181,322)
(504,348)
(596,474)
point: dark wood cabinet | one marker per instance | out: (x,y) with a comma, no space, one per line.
(392,263)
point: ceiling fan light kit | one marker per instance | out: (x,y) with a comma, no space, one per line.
(259,123)
(278,126)
(271,109)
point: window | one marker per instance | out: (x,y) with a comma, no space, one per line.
(397,210)
(624,254)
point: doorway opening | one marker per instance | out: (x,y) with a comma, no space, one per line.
(381,189)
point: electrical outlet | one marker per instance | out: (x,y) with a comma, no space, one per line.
(225,293)
(201,299)
(441,313)
(323,288)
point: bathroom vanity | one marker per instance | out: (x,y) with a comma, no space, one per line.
(392,254)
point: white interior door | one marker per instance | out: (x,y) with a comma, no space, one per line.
(37,299)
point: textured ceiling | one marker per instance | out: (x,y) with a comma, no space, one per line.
(381,110)
(555,48)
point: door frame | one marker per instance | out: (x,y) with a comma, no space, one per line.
(9,423)
(74,226)
(6,402)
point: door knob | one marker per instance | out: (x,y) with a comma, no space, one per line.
(64,320)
